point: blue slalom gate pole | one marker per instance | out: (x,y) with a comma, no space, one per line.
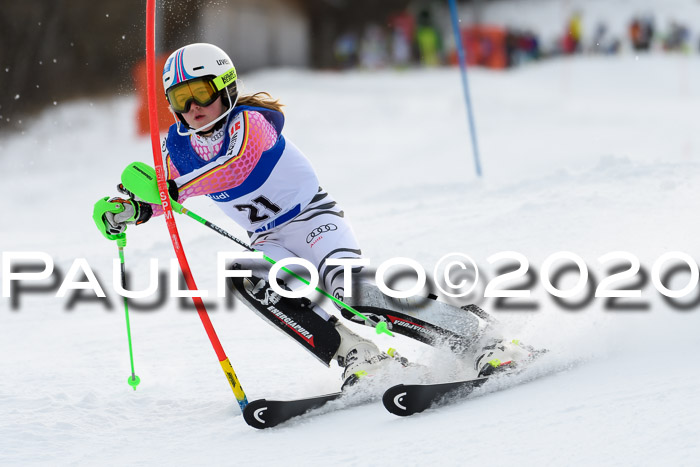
(465,83)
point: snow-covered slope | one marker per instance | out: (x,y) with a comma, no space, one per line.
(588,155)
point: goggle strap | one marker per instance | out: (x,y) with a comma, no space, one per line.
(224,79)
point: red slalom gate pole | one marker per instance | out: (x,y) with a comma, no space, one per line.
(167,208)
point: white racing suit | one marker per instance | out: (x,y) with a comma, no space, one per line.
(265,184)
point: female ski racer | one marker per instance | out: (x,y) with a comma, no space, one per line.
(231,149)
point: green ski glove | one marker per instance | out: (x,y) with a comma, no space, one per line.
(112,215)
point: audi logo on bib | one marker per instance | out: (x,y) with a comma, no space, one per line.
(319,230)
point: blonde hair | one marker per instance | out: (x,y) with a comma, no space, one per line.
(261,99)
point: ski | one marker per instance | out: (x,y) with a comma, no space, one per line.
(408,399)
(263,413)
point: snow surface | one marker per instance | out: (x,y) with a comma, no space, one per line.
(588,154)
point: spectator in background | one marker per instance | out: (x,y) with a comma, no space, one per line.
(530,46)
(635,33)
(641,33)
(648,31)
(403,29)
(346,50)
(373,48)
(521,47)
(572,40)
(429,42)
(515,46)
(599,37)
(400,48)
(602,43)
(677,38)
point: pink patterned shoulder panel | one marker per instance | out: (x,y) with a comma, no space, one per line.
(258,136)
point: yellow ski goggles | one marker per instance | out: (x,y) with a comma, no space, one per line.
(200,90)
(203,91)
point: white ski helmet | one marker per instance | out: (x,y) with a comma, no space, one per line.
(205,65)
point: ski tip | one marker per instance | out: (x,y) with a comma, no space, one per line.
(254,414)
(263,413)
(395,400)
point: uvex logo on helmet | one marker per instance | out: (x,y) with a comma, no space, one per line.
(225,61)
